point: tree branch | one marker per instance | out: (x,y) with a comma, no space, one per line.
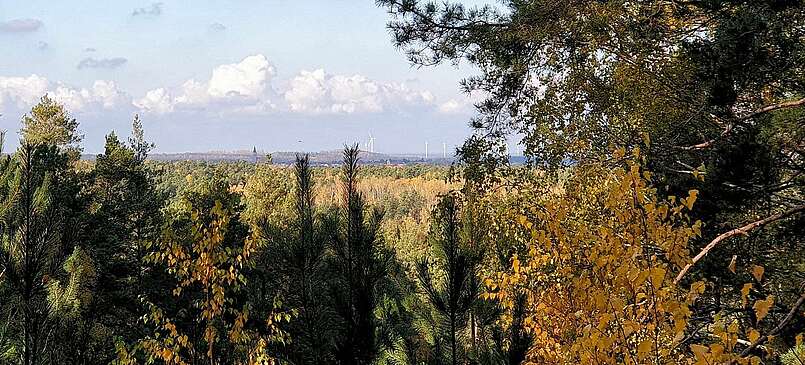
(773,107)
(728,129)
(709,143)
(738,231)
(429,20)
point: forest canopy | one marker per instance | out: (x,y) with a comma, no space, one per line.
(659,219)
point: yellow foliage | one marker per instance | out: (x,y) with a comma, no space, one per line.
(757,272)
(599,273)
(762,307)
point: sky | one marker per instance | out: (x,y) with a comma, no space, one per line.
(225,75)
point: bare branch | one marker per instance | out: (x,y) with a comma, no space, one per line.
(773,107)
(709,143)
(738,231)
(728,129)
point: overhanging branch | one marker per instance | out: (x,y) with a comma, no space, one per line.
(728,129)
(738,231)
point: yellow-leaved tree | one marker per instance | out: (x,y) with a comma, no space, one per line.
(206,250)
(598,273)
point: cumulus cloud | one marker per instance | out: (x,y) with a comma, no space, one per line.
(154,9)
(21,93)
(242,86)
(217,27)
(107,63)
(42,46)
(155,101)
(318,92)
(249,87)
(463,105)
(102,95)
(21,25)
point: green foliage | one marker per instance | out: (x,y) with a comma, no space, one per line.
(71,299)
(360,263)
(49,123)
(205,249)
(450,280)
(712,90)
(794,356)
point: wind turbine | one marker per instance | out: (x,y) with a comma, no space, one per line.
(371,145)
(444,150)
(426,150)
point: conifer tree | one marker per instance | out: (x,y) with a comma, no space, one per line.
(449,279)
(292,266)
(360,263)
(125,215)
(30,250)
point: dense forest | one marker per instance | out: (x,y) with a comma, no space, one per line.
(658,219)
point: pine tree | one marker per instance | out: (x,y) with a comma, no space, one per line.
(49,123)
(30,252)
(125,215)
(295,263)
(360,263)
(449,279)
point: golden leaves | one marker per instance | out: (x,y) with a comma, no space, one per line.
(754,335)
(207,263)
(757,272)
(644,348)
(692,196)
(657,276)
(745,293)
(597,290)
(762,307)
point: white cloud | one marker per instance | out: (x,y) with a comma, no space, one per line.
(318,92)
(249,78)
(155,101)
(462,105)
(107,63)
(243,86)
(217,27)
(23,92)
(249,87)
(103,95)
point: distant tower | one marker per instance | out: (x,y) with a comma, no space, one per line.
(254,153)
(426,150)
(371,144)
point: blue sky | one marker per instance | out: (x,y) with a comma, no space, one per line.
(227,75)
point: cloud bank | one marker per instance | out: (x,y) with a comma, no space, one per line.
(20,93)
(243,86)
(318,92)
(249,86)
